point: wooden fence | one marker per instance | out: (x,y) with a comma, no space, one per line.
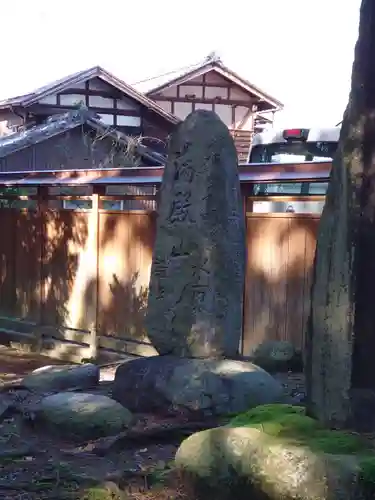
(280,253)
(80,278)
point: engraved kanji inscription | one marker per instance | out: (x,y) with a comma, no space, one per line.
(180,206)
(196,284)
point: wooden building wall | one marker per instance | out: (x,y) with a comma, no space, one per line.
(114,109)
(79,271)
(212,91)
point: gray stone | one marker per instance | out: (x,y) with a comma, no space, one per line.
(168,384)
(83,415)
(6,404)
(245,463)
(276,355)
(198,267)
(63,377)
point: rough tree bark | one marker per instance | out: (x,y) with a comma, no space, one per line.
(340,337)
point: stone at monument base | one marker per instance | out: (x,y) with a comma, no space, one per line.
(169,385)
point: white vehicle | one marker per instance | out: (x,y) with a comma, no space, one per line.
(294,145)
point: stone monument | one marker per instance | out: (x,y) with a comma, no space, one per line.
(198,267)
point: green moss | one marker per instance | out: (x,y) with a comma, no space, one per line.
(265,413)
(367,465)
(338,443)
(105,492)
(277,420)
(291,423)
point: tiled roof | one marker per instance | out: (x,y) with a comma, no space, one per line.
(59,124)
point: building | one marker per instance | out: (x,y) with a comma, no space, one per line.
(117,104)
(242,106)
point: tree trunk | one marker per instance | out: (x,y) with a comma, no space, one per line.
(340,337)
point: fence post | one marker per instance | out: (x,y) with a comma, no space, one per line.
(42,207)
(96,205)
(247,191)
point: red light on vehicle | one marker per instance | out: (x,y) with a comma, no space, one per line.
(295,133)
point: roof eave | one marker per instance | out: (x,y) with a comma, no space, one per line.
(249,87)
(12,105)
(182,78)
(271,109)
(142,98)
(101,73)
(258,173)
(227,73)
(84,75)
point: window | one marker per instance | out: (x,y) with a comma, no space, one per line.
(291,188)
(19,204)
(7,202)
(293,207)
(294,190)
(317,188)
(77,204)
(113,205)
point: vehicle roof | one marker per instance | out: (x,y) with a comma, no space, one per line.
(328,134)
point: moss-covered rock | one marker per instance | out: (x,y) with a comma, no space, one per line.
(276,451)
(287,421)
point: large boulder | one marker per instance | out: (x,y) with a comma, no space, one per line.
(169,384)
(87,416)
(246,463)
(198,267)
(63,377)
(277,451)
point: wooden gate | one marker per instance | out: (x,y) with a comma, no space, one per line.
(280,253)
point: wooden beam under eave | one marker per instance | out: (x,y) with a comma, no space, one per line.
(52,109)
(205,100)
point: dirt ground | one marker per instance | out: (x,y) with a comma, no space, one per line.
(36,465)
(14,364)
